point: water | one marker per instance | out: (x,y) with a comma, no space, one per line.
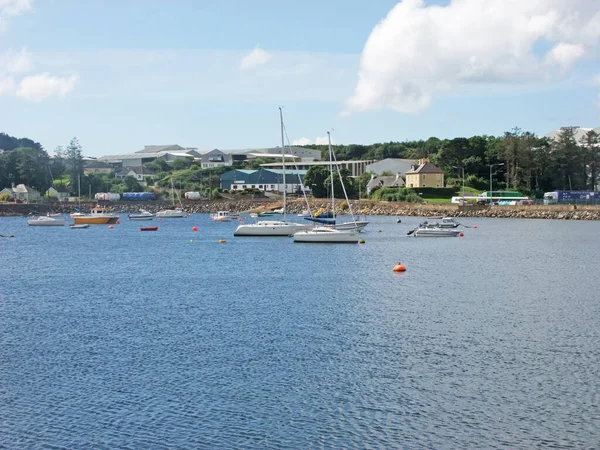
(117,339)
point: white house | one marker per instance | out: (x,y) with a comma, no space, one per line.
(139,173)
(216,158)
(60,193)
(25,193)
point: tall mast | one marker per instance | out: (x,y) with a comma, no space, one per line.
(283,164)
(331,174)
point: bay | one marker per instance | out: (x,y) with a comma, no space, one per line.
(116,338)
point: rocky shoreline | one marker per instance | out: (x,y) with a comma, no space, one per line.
(366,207)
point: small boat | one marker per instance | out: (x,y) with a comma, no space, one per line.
(304,213)
(234,215)
(76,214)
(221,216)
(357,225)
(269,213)
(78,226)
(327,235)
(270,228)
(47,221)
(98,216)
(433,232)
(142,215)
(175,212)
(253,215)
(149,229)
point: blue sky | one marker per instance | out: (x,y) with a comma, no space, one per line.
(121,74)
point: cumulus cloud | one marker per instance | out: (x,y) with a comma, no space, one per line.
(40,87)
(319,140)
(255,58)
(419,51)
(10,8)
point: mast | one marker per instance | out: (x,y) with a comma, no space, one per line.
(79,191)
(283,164)
(331,175)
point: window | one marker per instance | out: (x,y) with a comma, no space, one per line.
(424,176)
(260,186)
(272,186)
(437,185)
(253,186)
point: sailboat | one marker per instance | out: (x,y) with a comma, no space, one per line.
(175,212)
(274,227)
(78,213)
(329,234)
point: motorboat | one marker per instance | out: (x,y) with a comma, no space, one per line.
(171,213)
(47,221)
(434,232)
(98,216)
(441,222)
(234,215)
(270,228)
(79,226)
(142,215)
(221,216)
(327,235)
(76,214)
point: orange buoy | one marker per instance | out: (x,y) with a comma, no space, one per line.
(461,234)
(194,228)
(399,268)
(111,226)
(474,226)
(222,241)
(362,241)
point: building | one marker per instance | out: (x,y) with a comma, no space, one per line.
(8,191)
(95,166)
(579,132)
(301,153)
(60,193)
(356,168)
(139,173)
(393,165)
(263,179)
(149,153)
(216,158)
(424,174)
(25,193)
(384,181)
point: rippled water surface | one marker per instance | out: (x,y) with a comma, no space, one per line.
(117,339)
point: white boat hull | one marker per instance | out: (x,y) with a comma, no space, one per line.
(47,222)
(359,225)
(327,235)
(171,214)
(435,232)
(270,228)
(141,217)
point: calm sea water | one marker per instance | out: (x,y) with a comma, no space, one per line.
(117,339)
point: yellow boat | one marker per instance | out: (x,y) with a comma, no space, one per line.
(98,216)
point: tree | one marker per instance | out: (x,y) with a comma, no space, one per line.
(131,184)
(180,164)
(591,144)
(74,156)
(315,180)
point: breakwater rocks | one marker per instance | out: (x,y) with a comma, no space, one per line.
(366,207)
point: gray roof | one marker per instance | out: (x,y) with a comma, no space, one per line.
(391,181)
(160,148)
(95,164)
(138,170)
(424,168)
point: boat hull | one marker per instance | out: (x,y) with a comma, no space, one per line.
(47,222)
(270,228)
(96,220)
(171,214)
(80,226)
(359,225)
(436,232)
(327,236)
(141,217)
(149,229)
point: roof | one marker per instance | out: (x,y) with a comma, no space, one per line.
(22,189)
(270,155)
(391,180)
(160,148)
(424,168)
(317,163)
(288,171)
(60,189)
(97,165)
(137,170)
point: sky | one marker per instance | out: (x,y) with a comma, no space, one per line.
(121,74)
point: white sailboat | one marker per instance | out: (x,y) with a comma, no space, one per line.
(274,227)
(47,221)
(330,234)
(175,212)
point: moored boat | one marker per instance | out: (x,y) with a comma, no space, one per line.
(221,216)
(149,229)
(434,232)
(79,226)
(327,235)
(141,215)
(47,221)
(99,215)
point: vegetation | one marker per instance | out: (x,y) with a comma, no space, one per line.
(517,160)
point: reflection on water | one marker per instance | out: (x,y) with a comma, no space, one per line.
(121,339)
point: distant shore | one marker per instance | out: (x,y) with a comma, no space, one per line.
(366,207)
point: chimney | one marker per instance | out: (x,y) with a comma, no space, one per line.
(423,161)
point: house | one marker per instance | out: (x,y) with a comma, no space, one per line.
(96,166)
(59,193)
(139,173)
(263,179)
(394,165)
(381,181)
(25,193)
(216,158)
(7,191)
(424,174)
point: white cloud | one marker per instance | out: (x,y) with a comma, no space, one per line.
(39,87)
(255,58)
(10,8)
(319,140)
(418,52)
(11,62)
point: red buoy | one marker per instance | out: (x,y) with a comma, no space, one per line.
(111,226)
(399,267)
(461,234)
(194,228)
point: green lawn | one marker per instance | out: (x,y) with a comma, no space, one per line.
(438,200)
